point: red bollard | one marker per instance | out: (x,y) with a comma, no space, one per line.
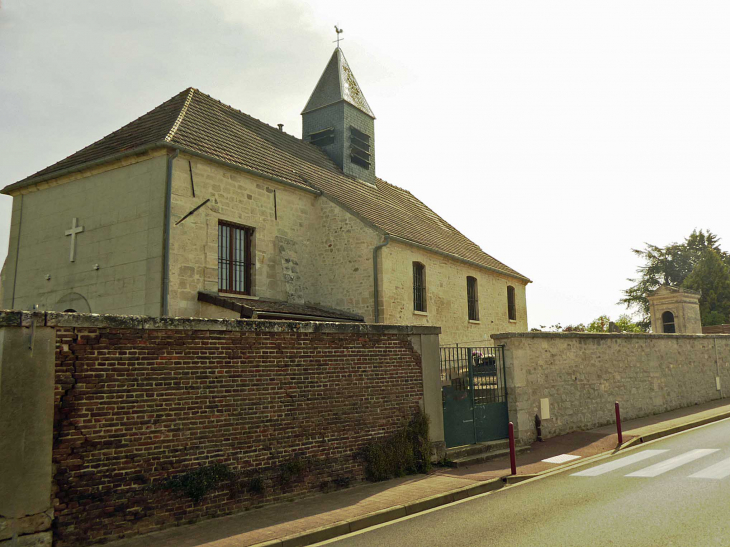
(512,462)
(618,425)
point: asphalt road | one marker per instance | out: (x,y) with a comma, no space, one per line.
(671,492)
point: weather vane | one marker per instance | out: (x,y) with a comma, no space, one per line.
(338,31)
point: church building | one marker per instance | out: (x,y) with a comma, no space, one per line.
(197,209)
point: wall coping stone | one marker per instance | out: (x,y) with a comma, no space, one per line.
(605,336)
(15,318)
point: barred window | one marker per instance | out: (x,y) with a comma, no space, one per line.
(419,287)
(234,258)
(472,298)
(511,306)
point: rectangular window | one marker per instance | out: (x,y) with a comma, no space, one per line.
(511,307)
(234,258)
(472,299)
(419,287)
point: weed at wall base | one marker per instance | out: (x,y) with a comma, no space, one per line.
(405,453)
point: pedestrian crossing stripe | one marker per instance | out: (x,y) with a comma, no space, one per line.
(718,471)
(673,463)
(618,464)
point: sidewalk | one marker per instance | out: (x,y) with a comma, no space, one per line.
(324,516)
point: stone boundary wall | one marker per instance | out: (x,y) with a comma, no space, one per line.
(583,375)
(286,406)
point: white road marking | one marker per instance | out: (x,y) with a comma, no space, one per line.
(718,471)
(561,459)
(673,463)
(618,464)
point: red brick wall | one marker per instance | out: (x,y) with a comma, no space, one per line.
(134,406)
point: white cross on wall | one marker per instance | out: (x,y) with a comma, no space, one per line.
(72,232)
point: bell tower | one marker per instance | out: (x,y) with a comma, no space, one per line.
(338,119)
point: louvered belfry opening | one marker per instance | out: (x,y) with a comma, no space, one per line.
(234,258)
(359,148)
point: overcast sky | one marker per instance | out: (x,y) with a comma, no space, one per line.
(556,135)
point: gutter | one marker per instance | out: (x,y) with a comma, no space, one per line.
(375,275)
(301,317)
(166,243)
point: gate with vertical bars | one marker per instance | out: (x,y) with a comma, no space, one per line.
(474,394)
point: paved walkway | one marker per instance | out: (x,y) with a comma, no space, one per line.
(397,497)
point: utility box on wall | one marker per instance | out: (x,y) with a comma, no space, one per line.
(675,311)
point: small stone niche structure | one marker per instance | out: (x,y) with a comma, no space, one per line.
(675,311)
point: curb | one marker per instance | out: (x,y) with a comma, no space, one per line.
(399,511)
(672,430)
(384,515)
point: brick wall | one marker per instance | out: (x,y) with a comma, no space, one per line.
(137,405)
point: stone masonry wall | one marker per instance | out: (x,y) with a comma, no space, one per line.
(583,375)
(281,268)
(119,255)
(138,401)
(446,297)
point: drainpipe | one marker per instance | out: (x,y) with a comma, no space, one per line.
(166,245)
(375,274)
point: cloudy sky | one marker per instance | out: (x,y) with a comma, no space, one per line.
(557,135)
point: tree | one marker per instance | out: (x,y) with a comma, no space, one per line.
(624,324)
(668,265)
(711,276)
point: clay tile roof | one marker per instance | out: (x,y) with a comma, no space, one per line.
(194,121)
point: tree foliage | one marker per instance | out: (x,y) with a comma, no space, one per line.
(669,265)
(600,324)
(711,276)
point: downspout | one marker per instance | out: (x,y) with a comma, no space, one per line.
(375,274)
(166,244)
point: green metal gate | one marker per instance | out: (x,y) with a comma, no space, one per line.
(474,395)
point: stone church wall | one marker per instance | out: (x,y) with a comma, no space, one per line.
(583,375)
(281,238)
(309,251)
(121,208)
(287,407)
(344,258)
(446,296)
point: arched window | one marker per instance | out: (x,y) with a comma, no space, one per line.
(472,298)
(668,322)
(419,287)
(511,306)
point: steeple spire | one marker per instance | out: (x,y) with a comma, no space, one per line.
(337,83)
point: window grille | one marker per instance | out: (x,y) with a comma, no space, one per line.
(419,287)
(234,258)
(472,299)
(511,306)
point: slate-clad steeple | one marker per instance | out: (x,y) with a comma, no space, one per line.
(338,119)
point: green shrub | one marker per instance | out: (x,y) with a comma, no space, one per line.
(196,484)
(406,452)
